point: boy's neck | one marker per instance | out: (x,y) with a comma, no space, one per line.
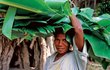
(58,56)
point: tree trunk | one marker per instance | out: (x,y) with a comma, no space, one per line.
(42,44)
(6,53)
(41,48)
(37,55)
(50,45)
(25,57)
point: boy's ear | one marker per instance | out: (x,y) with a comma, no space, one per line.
(71,48)
(69,35)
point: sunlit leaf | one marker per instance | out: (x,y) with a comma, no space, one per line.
(67,9)
(66,27)
(100,48)
(104,16)
(87,13)
(37,6)
(8,22)
(107,36)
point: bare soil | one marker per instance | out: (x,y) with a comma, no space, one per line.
(94,66)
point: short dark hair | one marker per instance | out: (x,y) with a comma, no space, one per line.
(58,31)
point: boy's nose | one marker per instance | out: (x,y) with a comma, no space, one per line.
(60,43)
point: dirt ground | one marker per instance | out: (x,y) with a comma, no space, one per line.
(94,66)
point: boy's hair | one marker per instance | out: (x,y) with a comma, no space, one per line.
(58,31)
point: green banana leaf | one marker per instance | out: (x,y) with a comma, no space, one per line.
(48,7)
(107,36)
(60,6)
(40,6)
(103,16)
(86,13)
(16,33)
(104,22)
(66,27)
(96,32)
(100,48)
(8,22)
(37,6)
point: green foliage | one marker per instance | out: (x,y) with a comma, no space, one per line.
(35,17)
(96,32)
(104,7)
(8,22)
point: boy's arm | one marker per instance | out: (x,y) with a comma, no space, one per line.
(79,40)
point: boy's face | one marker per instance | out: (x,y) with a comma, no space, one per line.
(61,44)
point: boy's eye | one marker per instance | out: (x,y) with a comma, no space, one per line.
(56,39)
(64,40)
